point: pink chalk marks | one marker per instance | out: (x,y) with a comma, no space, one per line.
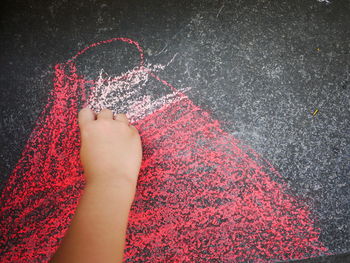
(200,197)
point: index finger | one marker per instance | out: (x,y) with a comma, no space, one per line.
(86,115)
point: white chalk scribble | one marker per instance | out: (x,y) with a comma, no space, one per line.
(327,2)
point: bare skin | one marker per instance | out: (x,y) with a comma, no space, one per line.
(111,155)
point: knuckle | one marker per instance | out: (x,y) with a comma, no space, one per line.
(135,130)
(123,125)
(88,126)
(86,109)
(105,110)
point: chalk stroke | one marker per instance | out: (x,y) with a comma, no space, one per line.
(200,196)
(327,2)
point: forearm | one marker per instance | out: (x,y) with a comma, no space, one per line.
(97,231)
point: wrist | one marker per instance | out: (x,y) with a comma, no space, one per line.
(109,178)
(119,186)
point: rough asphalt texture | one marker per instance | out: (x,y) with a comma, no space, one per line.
(262,67)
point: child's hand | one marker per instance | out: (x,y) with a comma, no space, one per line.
(111,150)
(111,156)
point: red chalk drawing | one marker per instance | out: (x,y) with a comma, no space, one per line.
(200,197)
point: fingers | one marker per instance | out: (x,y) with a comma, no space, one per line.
(86,115)
(108,114)
(134,128)
(121,117)
(105,114)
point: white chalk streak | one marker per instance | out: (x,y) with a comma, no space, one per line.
(127,94)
